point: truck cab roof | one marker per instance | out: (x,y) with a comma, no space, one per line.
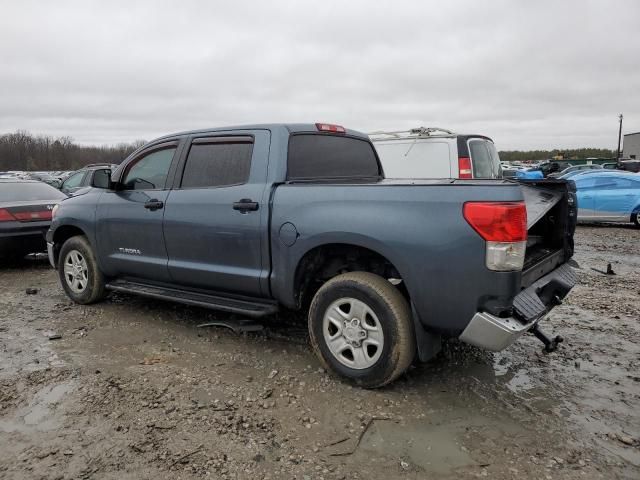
(289,127)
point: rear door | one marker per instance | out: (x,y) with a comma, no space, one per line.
(216,218)
(129,227)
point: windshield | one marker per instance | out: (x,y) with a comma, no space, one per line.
(26,191)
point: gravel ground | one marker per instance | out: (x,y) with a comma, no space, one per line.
(134,389)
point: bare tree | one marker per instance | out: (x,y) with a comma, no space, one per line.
(24,151)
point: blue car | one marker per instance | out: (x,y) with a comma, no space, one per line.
(575,173)
(530,174)
(608,197)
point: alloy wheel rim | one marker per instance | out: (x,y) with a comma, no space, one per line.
(76,271)
(353,333)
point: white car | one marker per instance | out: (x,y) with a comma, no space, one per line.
(436,153)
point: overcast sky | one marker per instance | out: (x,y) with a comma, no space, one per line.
(530,74)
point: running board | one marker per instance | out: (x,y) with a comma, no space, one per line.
(248,307)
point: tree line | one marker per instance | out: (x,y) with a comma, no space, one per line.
(23,151)
(572,154)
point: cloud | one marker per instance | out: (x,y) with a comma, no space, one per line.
(529,74)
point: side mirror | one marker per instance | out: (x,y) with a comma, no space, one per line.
(101,179)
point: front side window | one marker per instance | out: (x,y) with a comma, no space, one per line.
(585,182)
(73,181)
(217,164)
(150,171)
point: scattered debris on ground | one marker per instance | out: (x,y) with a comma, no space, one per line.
(132,388)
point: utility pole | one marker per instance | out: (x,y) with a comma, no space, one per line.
(619,137)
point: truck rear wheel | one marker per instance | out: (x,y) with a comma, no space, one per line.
(79,274)
(360,327)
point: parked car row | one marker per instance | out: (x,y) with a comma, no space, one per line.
(54,179)
(69,182)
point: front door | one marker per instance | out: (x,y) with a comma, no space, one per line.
(216,217)
(585,186)
(129,233)
(615,198)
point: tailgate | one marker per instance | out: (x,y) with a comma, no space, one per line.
(551,220)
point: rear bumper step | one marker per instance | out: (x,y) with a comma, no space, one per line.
(544,294)
(248,307)
(496,333)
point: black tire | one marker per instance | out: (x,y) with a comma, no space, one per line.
(635,217)
(94,283)
(393,315)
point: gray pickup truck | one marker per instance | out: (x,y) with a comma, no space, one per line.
(256,219)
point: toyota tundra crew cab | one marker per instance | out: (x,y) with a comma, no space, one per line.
(257,219)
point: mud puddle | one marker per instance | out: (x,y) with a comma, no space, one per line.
(134,389)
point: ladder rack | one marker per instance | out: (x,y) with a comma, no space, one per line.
(412,133)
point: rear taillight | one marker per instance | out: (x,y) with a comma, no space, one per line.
(33,216)
(504,227)
(464,167)
(498,221)
(5,216)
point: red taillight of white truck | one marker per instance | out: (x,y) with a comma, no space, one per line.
(504,227)
(464,167)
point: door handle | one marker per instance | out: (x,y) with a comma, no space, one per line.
(245,205)
(154,204)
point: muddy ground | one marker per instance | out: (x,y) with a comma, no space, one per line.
(134,389)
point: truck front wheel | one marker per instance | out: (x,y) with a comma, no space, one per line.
(360,327)
(79,274)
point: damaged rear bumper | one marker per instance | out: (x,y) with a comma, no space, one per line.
(529,307)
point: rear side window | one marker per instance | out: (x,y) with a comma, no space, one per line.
(316,156)
(612,183)
(217,165)
(484,159)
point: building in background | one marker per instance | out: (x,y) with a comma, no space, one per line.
(631,146)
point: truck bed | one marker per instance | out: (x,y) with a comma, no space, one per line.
(418,226)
